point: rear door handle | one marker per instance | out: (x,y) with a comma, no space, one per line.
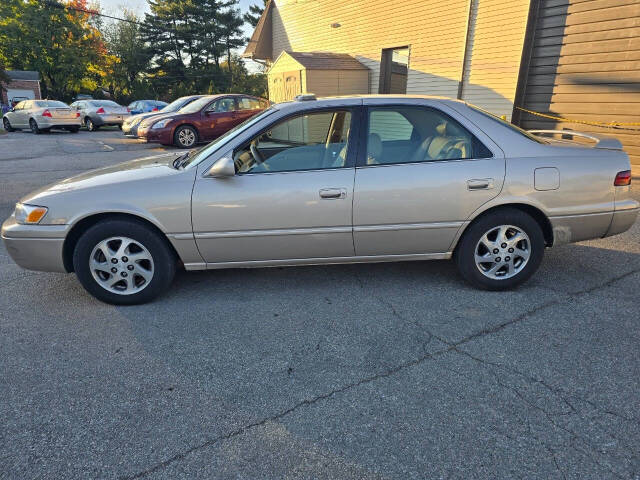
(480,184)
(333,193)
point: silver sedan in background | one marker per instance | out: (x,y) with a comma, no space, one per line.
(97,113)
(336,180)
(41,116)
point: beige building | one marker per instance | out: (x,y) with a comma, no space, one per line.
(572,59)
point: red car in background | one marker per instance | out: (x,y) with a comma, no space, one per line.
(201,120)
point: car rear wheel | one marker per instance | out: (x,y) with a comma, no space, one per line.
(123,262)
(185,137)
(7,125)
(90,125)
(501,250)
(34,126)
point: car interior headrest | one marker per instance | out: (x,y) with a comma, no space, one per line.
(374,145)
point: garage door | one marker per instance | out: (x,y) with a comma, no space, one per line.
(585,66)
(15,93)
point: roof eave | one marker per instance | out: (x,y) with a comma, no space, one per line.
(259,46)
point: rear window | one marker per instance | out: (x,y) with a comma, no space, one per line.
(103,103)
(509,125)
(51,104)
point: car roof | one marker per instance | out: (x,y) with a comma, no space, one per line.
(350,100)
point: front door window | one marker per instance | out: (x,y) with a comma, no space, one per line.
(307,142)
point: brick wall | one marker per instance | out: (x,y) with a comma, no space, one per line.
(22,85)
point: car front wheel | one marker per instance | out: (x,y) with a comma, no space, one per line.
(123,262)
(185,137)
(501,250)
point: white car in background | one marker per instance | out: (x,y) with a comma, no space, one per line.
(41,116)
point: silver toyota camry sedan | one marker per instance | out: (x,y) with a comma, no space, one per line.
(336,180)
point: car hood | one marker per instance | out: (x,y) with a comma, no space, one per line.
(144,116)
(157,118)
(131,171)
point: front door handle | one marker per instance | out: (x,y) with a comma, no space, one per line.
(480,184)
(333,193)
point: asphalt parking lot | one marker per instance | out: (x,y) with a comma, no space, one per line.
(395,371)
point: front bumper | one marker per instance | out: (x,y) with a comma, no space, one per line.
(130,131)
(35,247)
(159,135)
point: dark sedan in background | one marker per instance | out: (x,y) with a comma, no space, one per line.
(200,121)
(130,126)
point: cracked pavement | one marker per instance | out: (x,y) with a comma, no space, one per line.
(381,371)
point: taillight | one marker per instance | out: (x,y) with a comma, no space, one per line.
(46,113)
(155,109)
(128,109)
(100,111)
(77,114)
(623,178)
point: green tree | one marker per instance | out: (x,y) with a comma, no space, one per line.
(255,12)
(189,40)
(63,45)
(128,58)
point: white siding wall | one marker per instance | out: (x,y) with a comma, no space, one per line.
(494,49)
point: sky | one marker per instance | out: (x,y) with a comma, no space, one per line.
(139,7)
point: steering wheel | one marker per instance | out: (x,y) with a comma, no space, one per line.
(257,156)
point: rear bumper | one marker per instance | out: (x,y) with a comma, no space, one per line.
(35,247)
(624,217)
(46,122)
(100,120)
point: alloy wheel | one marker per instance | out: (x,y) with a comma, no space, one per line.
(502,252)
(186,137)
(121,265)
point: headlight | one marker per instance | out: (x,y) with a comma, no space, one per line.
(29,214)
(161,123)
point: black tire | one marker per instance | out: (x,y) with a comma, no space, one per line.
(464,255)
(189,132)
(33,125)
(164,260)
(88,123)
(7,125)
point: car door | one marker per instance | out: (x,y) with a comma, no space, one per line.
(217,118)
(422,174)
(291,197)
(247,108)
(21,114)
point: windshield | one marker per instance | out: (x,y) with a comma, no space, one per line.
(204,152)
(51,103)
(196,105)
(177,104)
(103,103)
(514,128)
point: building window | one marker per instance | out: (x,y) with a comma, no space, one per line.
(394,68)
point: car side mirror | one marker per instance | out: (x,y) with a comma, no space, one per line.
(223,168)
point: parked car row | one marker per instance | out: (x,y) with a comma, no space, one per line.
(193,119)
(184,122)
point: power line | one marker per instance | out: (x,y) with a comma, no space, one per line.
(54,4)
